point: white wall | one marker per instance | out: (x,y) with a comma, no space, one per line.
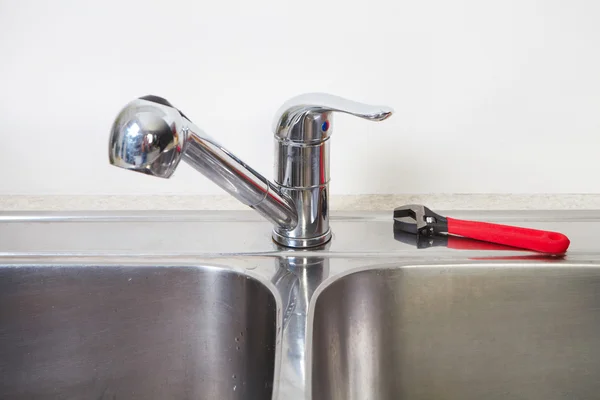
(491,96)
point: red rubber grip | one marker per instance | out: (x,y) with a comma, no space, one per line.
(464,243)
(524,238)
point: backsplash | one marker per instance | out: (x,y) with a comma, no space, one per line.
(498,97)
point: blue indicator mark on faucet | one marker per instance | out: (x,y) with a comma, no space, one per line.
(325,126)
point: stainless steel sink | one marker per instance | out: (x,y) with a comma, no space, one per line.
(203,305)
(477,331)
(111,332)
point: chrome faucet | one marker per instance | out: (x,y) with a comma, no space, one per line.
(151,136)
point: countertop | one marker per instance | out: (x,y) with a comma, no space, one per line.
(376,202)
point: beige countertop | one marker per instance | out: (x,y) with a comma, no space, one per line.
(340,202)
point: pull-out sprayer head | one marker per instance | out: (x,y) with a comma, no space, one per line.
(148,136)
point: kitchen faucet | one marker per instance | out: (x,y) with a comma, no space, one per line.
(151,136)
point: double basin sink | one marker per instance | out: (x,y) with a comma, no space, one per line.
(298,325)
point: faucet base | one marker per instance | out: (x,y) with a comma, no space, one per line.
(301,242)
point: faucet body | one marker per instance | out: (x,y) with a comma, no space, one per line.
(151,136)
(302,173)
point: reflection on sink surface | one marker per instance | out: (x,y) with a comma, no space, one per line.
(479,332)
(135,333)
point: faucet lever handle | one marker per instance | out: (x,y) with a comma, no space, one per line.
(305,118)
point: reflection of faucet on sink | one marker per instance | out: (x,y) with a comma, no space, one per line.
(296,279)
(151,136)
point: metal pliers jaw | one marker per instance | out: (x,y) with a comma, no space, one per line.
(419,220)
(420,241)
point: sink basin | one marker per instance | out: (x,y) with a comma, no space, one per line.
(521,331)
(111,332)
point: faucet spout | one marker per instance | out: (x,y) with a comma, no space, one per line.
(151,136)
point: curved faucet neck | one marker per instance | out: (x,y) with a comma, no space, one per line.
(238,179)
